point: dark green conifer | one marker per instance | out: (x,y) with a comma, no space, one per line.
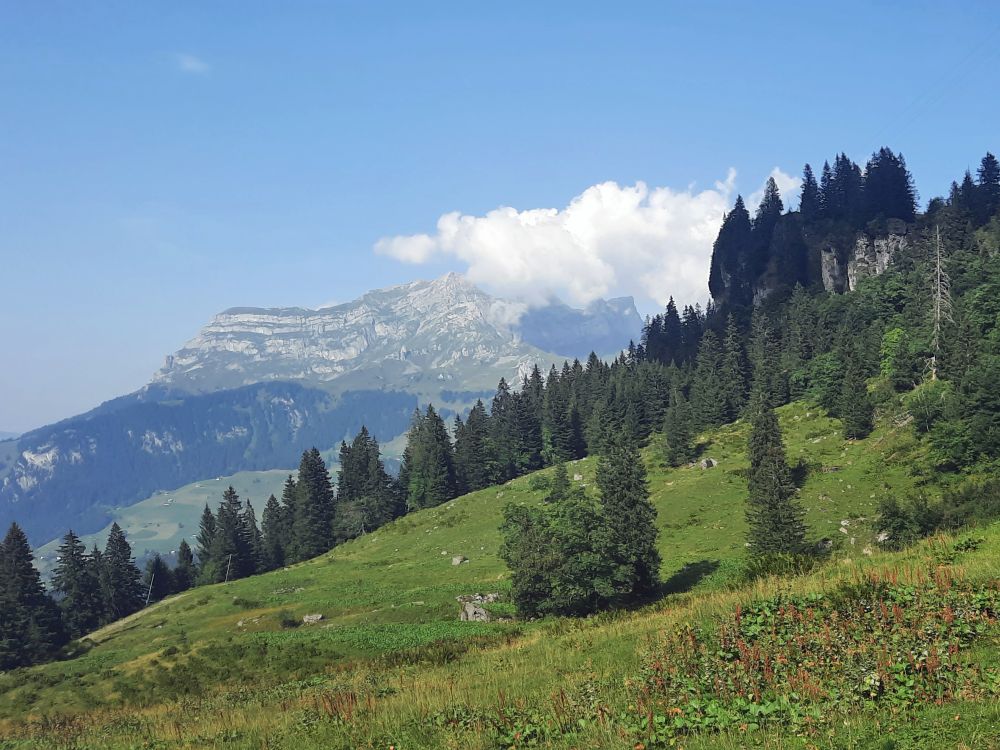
(430,463)
(733,372)
(273,529)
(678,435)
(774,515)
(708,399)
(855,406)
(75,580)
(312,522)
(206,540)
(630,520)
(122,580)
(888,188)
(559,485)
(231,554)
(252,540)
(472,462)
(810,204)
(31,630)
(184,572)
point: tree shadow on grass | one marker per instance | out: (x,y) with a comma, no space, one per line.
(689,576)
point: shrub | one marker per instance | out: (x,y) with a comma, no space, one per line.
(539,482)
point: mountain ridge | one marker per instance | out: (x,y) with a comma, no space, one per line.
(417,330)
(258,385)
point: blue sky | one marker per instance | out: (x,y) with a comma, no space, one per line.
(164,161)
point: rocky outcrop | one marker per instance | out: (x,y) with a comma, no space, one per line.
(473,609)
(870,256)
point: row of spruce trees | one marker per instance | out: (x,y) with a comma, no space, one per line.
(91,590)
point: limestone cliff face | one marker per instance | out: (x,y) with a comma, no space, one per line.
(870,255)
(430,331)
(832,254)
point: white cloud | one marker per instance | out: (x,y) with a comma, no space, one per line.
(188,63)
(610,240)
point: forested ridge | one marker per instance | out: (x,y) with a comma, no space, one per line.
(921,339)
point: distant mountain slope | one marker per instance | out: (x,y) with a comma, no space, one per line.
(257,386)
(69,474)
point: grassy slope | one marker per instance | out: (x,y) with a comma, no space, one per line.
(390,628)
(158,523)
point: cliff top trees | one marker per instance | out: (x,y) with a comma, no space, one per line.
(730,253)
(888,188)
(810,202)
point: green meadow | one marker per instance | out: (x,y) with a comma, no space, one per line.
(390,665)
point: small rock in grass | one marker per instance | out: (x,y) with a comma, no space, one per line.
(310,619)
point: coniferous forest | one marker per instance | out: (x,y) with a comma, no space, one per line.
(797,313)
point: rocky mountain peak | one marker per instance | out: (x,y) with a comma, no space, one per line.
(439,331)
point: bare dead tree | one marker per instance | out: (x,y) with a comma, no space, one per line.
(942,303)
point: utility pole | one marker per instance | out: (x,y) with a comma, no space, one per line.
(149,593)
(228,566)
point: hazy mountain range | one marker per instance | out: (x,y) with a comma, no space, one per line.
(257,386)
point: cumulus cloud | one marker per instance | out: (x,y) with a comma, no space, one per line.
(610,240)
(188,63)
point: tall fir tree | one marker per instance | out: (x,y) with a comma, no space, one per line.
(730,257)
(231,553)
(430,467)
(184,572)
(31,630)
(630,520)
(472,464)
(774,515)
(253,540)
(766,218)
(888,188)
(367,496)
(810,205)
(678,435)
(206,541)
(122,580)
(708,403)
(733,372)
(273,530)
(559,485)
(312,522)
(855,407)
(558,429)
(76,581)
(987,202)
